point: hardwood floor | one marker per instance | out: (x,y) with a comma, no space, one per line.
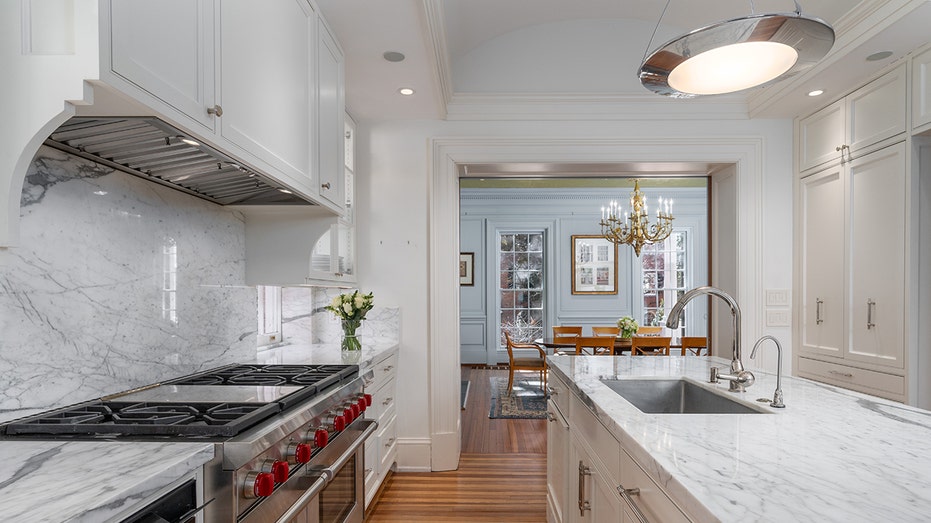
(501,475)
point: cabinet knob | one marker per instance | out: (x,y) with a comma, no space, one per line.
(216,110)
(325,185)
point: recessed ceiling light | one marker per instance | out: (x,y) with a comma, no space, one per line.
(393,56)
(406,91)
(816,92)
(881,55)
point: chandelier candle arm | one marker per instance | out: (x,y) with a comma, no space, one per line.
(635,229)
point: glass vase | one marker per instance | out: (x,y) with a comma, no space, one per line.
(349,341)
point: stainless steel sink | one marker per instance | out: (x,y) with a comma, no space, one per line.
(676,396)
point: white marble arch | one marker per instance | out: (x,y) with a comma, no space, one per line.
(446,153)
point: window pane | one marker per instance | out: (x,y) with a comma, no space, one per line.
(664,274)
(521,285)
(507,261)
(536,243)
(507,242)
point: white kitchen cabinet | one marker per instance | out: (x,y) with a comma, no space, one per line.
(166,48)
(266,82)
(557,462)
(921,91)
(330,111)
(863,121)
(821,257)
(851,272)
(381,449)
(597,499)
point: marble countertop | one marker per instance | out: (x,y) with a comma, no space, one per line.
(830,455)
(96,481)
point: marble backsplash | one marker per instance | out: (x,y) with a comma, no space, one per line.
(116,283)
(304,321)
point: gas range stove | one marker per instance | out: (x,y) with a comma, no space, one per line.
(279,431)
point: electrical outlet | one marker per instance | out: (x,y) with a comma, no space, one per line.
(777,298)
(777,318)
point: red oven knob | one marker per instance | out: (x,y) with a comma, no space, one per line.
(361,404)
(339,423)
(258,485)
(368,399)
(321,438)
(356,411)
(280,471)
(348,415)
(299,452)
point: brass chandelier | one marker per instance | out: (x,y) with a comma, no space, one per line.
(635,228)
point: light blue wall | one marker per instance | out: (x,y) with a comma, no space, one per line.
(560,213)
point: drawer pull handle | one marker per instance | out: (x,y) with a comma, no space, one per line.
(844,374)
(550,416)
(388,368)
(628,495)
(389,442)
(583,505)
(870,307)
(818,304)
(551,391)
(216,109)
(387,401)
(325,185)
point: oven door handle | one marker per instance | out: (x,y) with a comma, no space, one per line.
(369,428)
(314,489)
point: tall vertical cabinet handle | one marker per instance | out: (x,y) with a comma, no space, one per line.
(628,495)
(818,304)
(583,504)
(870,306)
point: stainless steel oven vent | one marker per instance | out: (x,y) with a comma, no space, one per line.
(151,149)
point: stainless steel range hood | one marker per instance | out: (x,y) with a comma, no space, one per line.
(151,149)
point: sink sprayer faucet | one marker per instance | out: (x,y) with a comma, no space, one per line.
(777,396)
(739,378)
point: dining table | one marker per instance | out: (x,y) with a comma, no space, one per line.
(621,345)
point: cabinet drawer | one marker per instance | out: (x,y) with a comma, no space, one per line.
(385,368)
(383,400)
(591,431)
(559,393)
(651,500)
(387,445)
(871,382)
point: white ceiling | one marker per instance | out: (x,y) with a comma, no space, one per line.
(457,50)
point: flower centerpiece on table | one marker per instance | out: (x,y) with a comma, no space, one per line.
(351,310)
(628,326)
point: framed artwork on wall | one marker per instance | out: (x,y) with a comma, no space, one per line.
(594,265)
(466,268)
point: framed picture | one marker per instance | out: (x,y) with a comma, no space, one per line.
(594,265)
(466,268)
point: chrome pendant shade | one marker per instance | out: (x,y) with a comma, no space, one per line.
(737,54)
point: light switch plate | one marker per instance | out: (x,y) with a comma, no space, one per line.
(777,297)
(777,318)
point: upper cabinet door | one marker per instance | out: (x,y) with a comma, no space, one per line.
(166,49)
(877,257)
(266,82)
(820,136)
(877,110)
(331,108)
(921,90)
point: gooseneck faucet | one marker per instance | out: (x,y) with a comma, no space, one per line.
(739,378)
(777,396)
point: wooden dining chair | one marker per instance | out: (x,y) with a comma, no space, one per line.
(650,330)
(694,345)
(650,345)
(606,331)
(598,345)
(515,362)
(566,333)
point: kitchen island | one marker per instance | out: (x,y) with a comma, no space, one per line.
(830,455)
(95,481)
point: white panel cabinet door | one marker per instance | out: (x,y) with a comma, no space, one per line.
(557,461)
(821,136)
(592,495)
(267,83)
(921,90)
(877,110)
(166,48)
(877,253)
(331,109)
(821,208)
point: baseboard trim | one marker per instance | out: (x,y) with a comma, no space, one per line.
(414,455)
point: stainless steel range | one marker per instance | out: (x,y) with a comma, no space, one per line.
(288,437)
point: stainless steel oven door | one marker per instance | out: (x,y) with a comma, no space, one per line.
(334,484)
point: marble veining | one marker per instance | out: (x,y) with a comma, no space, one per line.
(116,283)
(830,455)
(90,481)
(305,321)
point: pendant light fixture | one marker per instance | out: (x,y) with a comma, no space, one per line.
(735,55)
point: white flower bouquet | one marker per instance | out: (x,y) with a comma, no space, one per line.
(628,326)
(351,310)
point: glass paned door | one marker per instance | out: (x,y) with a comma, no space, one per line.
(520,285)
(665,276)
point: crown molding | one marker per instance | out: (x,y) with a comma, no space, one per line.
(442,69)
(595,106)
